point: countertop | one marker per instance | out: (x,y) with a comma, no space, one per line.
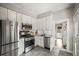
(46,36)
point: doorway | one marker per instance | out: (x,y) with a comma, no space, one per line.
(61,35)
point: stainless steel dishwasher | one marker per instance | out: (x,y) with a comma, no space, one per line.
(47,42)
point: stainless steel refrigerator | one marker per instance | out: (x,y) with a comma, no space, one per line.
(8,38)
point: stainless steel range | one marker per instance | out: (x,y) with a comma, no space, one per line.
(29,44)
(28,38)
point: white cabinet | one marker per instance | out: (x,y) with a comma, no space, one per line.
(45,23)
(3,13)
(19,17)
(19,20)
(39,24)
(26,19)
(34,24)
(49,23)
(23,18)
(39,41)
(21,46)
(11,15)
(42,24)
(29,20)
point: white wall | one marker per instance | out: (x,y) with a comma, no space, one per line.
(76,31)
(76,6)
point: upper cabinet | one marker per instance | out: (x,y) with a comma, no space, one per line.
(26,19)
(49,23)
(34,24)
(42,23)
(39,24)
(19,17)
(19,20)
(11,15)
(45,23)
(3,13)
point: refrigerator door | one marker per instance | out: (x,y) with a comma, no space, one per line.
(7,32)
(12,31)
(3,32)
(0,36)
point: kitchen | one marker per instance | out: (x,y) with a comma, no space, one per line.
(36,32)
(26,33)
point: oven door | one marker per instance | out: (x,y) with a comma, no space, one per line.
(29,44)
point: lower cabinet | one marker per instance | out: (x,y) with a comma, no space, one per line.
(39,41)
(21,46)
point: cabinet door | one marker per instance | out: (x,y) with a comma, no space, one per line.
(19,20)
(26,19)
(21,46)
(49,23)
(11,15)
(23,18)
(43,23)
(36,41)
(19,17)
(34,24)
(3,13)
(41,41)
(40,24)
(29,20)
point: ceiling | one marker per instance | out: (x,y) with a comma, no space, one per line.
(34,9)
